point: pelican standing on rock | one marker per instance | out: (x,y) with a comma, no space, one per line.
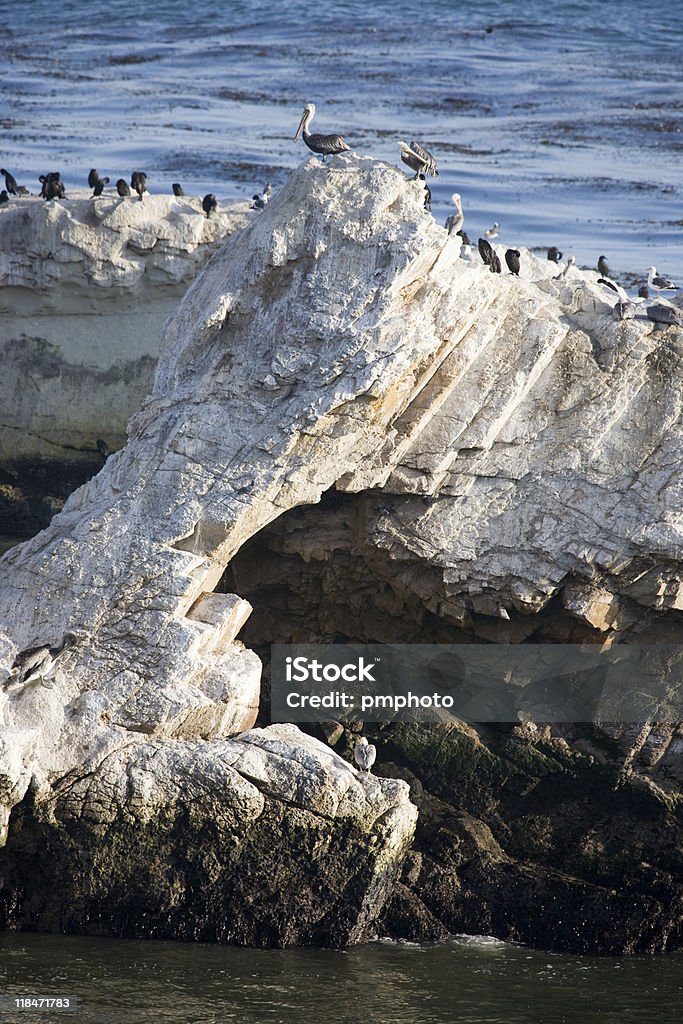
(456,220)
(324,145)
(418,159)
(364,754)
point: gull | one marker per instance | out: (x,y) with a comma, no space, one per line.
(659,284)
(493,232)
(563,273)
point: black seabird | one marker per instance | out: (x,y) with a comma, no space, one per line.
(512,260)
(324,145)
(554,254)
(494,265)
(466,240)
(99,186)
(644,292)
(603,266)
(660,284)
(93,177)
(428,195)
(103,448)
(209,204)
(138,181)
(608,284)
(418,159)
(485,250)
(52,185)
(257,203)
(122,187)
(177,189)
(364,754)
(4,198)
(10,182)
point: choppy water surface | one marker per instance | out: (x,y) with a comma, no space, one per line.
(561,121)
(468,980)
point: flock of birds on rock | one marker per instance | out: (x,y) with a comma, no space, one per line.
(423,164)
(52,187)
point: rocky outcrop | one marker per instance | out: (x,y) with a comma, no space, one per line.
(498,459)
(85,287)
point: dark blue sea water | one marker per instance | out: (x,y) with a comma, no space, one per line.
(562,121)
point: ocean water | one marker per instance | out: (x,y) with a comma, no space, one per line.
(563,122)
(470,980)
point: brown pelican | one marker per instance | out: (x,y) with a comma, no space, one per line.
(177,189)
(418,159)
(209,204)
(603,266)
(512,260)
(493,232)
(563,273)
(138,181)
(122,187)
(456,220)
(325,145)
(364,754)
(659,284)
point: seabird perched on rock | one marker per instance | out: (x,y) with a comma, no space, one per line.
(98,188)
(455,221)
(364,754)
(563,273)
(428,194)
(603,266)
(38,662)
(122,187)
(554,254)
(103,448)
(495,266)
(624,310)
(10,182)
(4,198)
(644,292)
(662,313)
(138,181)
(261,201)
(93,177)
(485,250)
(209,204)
(464,237)
(659,284)
(177,189)
(324,145)
(52,185)
(418,159)
(512,260)
(493,232)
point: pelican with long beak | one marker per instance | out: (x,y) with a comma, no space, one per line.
(418,159)
(324,145)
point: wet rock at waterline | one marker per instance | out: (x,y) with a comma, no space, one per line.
(504,455)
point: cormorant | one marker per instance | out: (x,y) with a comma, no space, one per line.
(209,204)
(4,198)
(138,181)
(603,266)
(99,186)
(93,177)
(177,189)
(10,182)
(512,260)
(122,187)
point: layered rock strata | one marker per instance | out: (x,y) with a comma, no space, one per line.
(509,452)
